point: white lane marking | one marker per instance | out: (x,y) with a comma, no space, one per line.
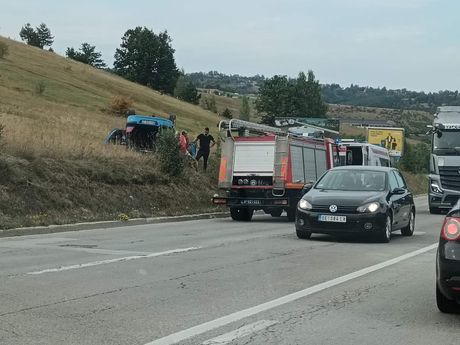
(240,332)
(239,315)
(110,261)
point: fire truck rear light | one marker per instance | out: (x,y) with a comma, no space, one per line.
(223,169)
(280,202)
(219,201)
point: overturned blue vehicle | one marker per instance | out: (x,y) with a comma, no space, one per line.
(140,133)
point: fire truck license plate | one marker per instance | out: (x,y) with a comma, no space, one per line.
(251,202)
(334,219)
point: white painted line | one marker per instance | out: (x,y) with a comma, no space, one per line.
(110,261)
(240,332)
(239,315)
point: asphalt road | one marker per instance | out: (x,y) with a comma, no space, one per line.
(221,282)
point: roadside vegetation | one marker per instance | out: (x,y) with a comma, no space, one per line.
(353,95)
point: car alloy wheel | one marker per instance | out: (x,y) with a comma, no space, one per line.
(409,229)
(386,233)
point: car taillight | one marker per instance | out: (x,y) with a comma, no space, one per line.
(451,229)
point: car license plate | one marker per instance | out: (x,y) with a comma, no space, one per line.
(251,202)
(333,219)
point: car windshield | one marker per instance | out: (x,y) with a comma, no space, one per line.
(352,180)
(446,142)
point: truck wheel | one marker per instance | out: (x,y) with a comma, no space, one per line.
(435,210)
(276,213)
(241,214)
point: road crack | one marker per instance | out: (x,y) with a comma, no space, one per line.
(45,305)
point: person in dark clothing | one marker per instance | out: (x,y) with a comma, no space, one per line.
(205,140)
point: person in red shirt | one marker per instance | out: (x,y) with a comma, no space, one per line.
(184,141)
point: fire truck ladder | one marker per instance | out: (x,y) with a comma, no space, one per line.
(251,127)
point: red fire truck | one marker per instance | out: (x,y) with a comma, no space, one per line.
(266,168)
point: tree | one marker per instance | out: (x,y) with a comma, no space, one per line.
(87,54)
(274,99)
(245,110)
(148,59)
(39,37)
(44,36)
(186,91)
(29,35)
(283,97)
(315,107)
(227,114)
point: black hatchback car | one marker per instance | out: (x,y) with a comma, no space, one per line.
(357,199)
(448,263)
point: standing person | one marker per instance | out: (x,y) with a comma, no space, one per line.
(184,142)
(205,140)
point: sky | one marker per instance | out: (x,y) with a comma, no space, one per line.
(412,44)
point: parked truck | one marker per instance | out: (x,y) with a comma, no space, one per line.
(444,178)
(266,168)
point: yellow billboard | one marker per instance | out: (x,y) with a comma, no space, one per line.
(390,138)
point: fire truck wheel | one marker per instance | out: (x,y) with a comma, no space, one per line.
(276,213)
(241,214)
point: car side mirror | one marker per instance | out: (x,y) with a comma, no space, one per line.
(306,187)
(398,191)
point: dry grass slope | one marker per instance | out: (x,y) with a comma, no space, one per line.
(54,167)
(71,116)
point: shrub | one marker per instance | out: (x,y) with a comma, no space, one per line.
(3,50)
(416,158)
(227,113)
(40,87)
(171,160)
(120,105)
(123,217)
